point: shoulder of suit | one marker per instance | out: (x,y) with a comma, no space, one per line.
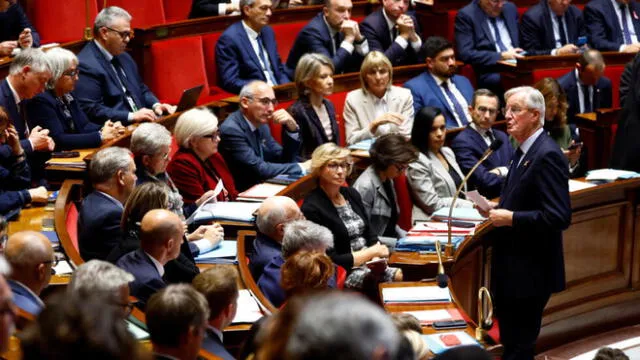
(397,90)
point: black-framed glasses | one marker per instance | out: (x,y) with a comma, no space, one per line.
(123,34)
(266,101)
(71,73)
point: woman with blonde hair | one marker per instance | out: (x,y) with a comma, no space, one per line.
(378,107)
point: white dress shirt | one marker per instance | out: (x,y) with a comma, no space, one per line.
(581,93)
(628,19)
(362,48)
(253,38)
(556,31)
(157,264)
(504,33)
(458,95)
(526,145)
(416,45)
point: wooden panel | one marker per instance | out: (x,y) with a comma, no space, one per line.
(465,275)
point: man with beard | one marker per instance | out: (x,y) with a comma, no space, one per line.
(440,86)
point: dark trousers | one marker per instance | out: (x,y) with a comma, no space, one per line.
(520,320)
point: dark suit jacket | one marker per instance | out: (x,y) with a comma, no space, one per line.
(426,92)
(242,152)
(15,179)
(316,38)
(536,28)
(374,28)
(204,8)
(626,148)
(318,208)
(528,259)
(13,21)
(237,62)
(603,27)
(602,97)
(469,146)
(264,249)
(8,102)
(475,42)
(24,299)
(147,279)
(213,344)
(46,111)
(311,128)
(98,226)
(99,92)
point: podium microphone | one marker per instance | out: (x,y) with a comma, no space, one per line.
(495,145)
(442,279)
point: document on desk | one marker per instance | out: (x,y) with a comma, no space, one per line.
(441,342)
(608,175)
(248,309)
(464,214)
(428,317)
(226,210)
(225,253)
(260,192)
(137,332)
(575,185)
(479,200)
(416,294)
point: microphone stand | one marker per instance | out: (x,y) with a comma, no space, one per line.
(484,321)
(442,279)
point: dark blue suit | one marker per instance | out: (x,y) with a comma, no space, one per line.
(242,152)
(237,62)
(536,28)
(603,26)
(99,92)
(8,102)
(99,229)
(12,22)
(374,27)
(24,299)
(475,42)
(316,38)
(469,146)
(528,263)
(264,249)
(602,97)
(311,129)
(15,179)
(147,279)
(213,344)
(426,92)
(49,113)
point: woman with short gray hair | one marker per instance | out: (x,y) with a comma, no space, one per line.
(57,109)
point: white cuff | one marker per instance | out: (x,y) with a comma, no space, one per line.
(363,49)
(417,45)
(401,41)
(203,245)
(347,46)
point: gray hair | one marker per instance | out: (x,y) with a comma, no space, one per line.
(5,268)
(244,3)
(59,60)
(533,98)
(34,58)
(194,123)
(106,163)
(149,138)
(329,323)
(97,277)
(307,235)
(247,90)
(309,67)
(273,211)
(107,16)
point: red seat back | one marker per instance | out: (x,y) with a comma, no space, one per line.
(614,73)
(173,148)
(552,73)
(71,223)
(145,13)
(276,129)
(176,10)
(209,47)
(286,34)
(341,276)
(338,103)
(405,203)
(55,23)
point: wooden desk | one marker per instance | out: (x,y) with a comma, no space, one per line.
(5,62)
(597,131)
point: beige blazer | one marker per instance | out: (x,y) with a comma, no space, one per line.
(359,112)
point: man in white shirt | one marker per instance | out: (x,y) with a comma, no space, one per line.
(613,25)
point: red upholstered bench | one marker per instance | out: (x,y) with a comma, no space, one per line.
(208,46)
(56,23)
(614,72)
(145,13)
(176,10)
(286,35)
(338,103)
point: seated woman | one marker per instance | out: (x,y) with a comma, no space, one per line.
(197,167)
(306,271)
(15,176)
(378,107)
(314,114)
(391,154)
(555,122)
(57,110)
(434,178)
(340,209)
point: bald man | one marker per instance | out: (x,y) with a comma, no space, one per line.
(31,257)
(271,217)
(161,234)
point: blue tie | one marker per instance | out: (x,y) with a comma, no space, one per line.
(498,37)
(625,25)
(563,35)
(264,60)
(588,106)
(256,133)
(462,116)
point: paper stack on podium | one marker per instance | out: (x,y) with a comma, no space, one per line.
(416,295)
(248,309)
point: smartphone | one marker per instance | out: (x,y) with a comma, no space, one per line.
(65,154)
(450,324)
(582,40)
(462,224)
(575,146)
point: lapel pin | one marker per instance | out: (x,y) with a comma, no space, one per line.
(526,163)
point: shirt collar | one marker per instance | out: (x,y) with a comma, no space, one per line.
(38,300)
(250,32)
(526,145)
(16,97)
(578,77)
(438,79)
(111,198)
(331,30)
(390,24)
(251,126)
(481,131)
(215,331)
(157,264)
(104,51)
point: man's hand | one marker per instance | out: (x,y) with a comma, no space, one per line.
(379,250)
(387,118)
(283,118)
(144,115)
(40,139)
(13,140)
(631,48)
(109,131)
(161,109)
(512,54)
(567,50)
(25,39)
(406,28)
(6,47)
(350,30)
(39,194)
(501,217)
(492,205)
(573,155)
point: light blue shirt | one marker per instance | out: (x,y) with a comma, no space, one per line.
(504,33)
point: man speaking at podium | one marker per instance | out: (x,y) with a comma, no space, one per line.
(534,209)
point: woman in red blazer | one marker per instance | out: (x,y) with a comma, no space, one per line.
(197,167)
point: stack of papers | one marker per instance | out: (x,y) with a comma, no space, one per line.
(226,210)
(463,214)
(424,243)
(438,228)
(416,294)
(248,309)
(436,342)
(362,145)
(579,185)
(137,332)
(260,192)
(608,175)
(225,253)
(428,317)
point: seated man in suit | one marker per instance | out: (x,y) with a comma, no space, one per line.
(110,87)
(298,235)
(206,8)
(439,86)
(105,281)
(251,152)
(16,30)
(31,258)
(613,25)
(219,286)
(471,143)
(334,34)
(486,32)
(248,51)
(113,175)
(7,325)
(395,33)
(274,213)
(587,90)
(177,318)
(161,233)
(552,27)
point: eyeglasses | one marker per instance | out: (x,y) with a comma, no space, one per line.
(53,263)
(71,73)
(266,101)
(334,166)
(401,167)
(128,307)
(123,34)
(484,109)
(514,110)
(215,135)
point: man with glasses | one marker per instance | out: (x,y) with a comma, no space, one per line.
(486,32)
(110,87)
(471,143)
(251,153)
(534,209)
(31,257)
(552,27)
(16,31)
